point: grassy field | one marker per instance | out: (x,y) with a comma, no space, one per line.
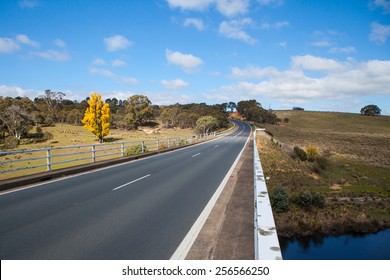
(355,182)
(70,135)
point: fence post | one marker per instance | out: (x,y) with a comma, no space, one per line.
(93,153)
(122,149)
(48,156)
(168,143)
(158,144)
(143,147)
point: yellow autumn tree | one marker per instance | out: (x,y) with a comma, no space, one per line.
(97,117)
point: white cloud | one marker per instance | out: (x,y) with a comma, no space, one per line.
(232,8)
(310,62)
(8,45)
(15,91)
(24,39)
(282,44)
(188,62)
(357,79)
(117,42)
(252,72)
(101,72)
(190,4)
(169,98)
(28,3)
(174,84)
(99,61)
(343,50)
(234,30)
(321,43)
(379,32)
(228,8)
(197,23)
(118,63)
(276,25)
(52,55)
(59,43)
(384,4)
(270,2)
(109,74)
(129,80)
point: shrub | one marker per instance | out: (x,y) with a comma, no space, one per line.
(162,146)
(182,142)
(312,153)
(47,135)
(11,142)
(286,120)
(279,199)
(39,132)
(300,153)
(309,200)
(322,161)
(318,200)
(135,150)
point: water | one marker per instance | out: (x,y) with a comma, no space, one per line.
(345,247)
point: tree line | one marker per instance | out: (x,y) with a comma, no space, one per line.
(19,115)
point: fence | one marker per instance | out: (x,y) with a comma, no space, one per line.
(46,159)
(266,239)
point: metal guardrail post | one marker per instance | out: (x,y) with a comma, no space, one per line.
(168,144)
(158,144)
(93,153)
(48,155)
(143,147)
(122,149)
(266,239)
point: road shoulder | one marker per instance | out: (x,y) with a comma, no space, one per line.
(228,231)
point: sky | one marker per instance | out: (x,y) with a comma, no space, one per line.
(319,55)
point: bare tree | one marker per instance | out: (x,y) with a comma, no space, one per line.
(53,101)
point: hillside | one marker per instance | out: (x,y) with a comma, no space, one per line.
(354,180)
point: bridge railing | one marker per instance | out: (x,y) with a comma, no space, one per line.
(47,159)
(266,239)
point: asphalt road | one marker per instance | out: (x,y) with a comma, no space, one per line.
(137,210)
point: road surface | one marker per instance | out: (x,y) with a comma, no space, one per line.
(137,210)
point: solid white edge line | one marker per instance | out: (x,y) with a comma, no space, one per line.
(185,246)
(103,168)
(136,180)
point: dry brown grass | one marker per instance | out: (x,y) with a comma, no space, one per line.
(350,136)
(356,184)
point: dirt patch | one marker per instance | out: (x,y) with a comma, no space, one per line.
(335,187)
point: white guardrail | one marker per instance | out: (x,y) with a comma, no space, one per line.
(266,239)
(67,156)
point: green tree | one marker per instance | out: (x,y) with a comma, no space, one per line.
(370,110)
(244,106)
(16,120)
(206,124)
(97,117)
(139,110)
(232,106)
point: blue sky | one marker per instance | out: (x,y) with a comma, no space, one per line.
(320,55)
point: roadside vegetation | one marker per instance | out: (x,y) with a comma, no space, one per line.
(328,173)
